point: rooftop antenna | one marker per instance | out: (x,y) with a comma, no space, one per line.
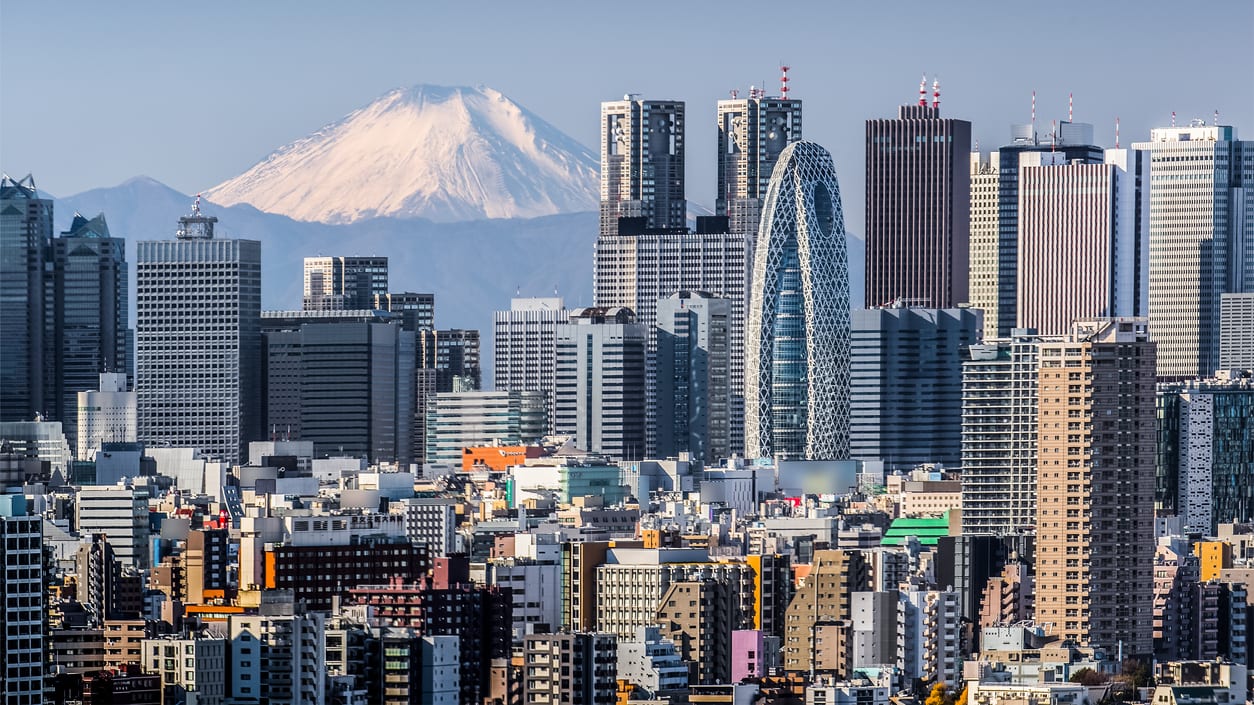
(1173,118)
(734,92)
(1116,132)
(1053,130)
(936,94)
(783,81)
(1070,107)
(196,203)
(1216,117)
(923,92)
(1034,114)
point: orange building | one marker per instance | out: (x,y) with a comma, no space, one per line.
(497,458)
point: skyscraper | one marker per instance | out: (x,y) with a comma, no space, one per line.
(1083,240)
(198,340)
(905,396)
(983,267)
(524,346)
(88,314)
(797,337)
(106,414)
(417,310)
(1072,140)
(600,381)
(918,201)
(1095,485)
(638,267)
(1236,331)
(642,163)
(999,391)
(694,382)
(344,283)
(454,354)
(346,385)
(22,621)
(1201,242)
(25,231)
(752,133)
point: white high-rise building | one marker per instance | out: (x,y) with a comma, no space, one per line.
(1201,241)
(1083,239)
(600,385)
(344,283)
(1236,331)
(278,655)
(198,341)
(106,415)
(524,346)
(191,669)
(999,392)
(120,513)
(984,251)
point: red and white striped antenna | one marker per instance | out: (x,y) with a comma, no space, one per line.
(734,92)
(1033,114)
(1116,132)
(1173,118)
(936,94)
(923,92)
(783,81)
(1070,107)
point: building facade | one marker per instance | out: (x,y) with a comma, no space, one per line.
(642,163)
(89,332)
(918,201)
(905,372)
(983,258)
(22,622)
(198,340)
(1236,331)
(25,231)
(457,421)
(105,415)
(599,391)
(338,283)
(797,330)
(752,133)
(1083,239)
(1201,240)
(1095,449)
(524,346)
(694,377)
(417,310)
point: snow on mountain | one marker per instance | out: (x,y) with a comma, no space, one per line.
(440,153)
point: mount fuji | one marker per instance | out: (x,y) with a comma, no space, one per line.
(444,154)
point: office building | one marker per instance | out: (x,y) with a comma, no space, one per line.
(417,310)
(22,621)
(918,202)
(1206,463)
(105,415)
(1095,455)
(752,133)
(983,242)
(570,668)
(905,395)
(699,617)
(642,163)
(999,429)
(339,283)
(694,377)
(198,340)
(277,654)
(318,574)
(25,355)
(599,389)
(1201,240)
(454,355)
(797,327)
(460,420)
(120,513)
(344,382)
(1236,331)
(524,346)
(1083,239)
(637,267)
(40,440)
(88,315)
(1074,142)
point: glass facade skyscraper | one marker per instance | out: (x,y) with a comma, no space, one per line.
(25,230)
(797,338)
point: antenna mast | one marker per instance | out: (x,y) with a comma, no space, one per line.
(923,92)
(783,81)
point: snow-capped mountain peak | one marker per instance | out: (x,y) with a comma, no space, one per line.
(435,152)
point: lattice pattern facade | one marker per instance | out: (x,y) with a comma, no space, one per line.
(797,337)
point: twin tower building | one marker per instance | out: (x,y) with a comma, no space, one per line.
(746,316)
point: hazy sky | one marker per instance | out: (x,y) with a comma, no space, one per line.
(191,94)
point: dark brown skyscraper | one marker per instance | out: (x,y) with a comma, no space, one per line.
(918,201)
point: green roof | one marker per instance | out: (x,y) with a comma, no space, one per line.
(928,529)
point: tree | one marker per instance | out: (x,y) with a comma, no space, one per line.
(1087,677)
(941,694)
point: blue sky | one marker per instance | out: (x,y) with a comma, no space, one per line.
(193,93)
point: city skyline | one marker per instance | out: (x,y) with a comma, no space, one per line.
(281,86)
